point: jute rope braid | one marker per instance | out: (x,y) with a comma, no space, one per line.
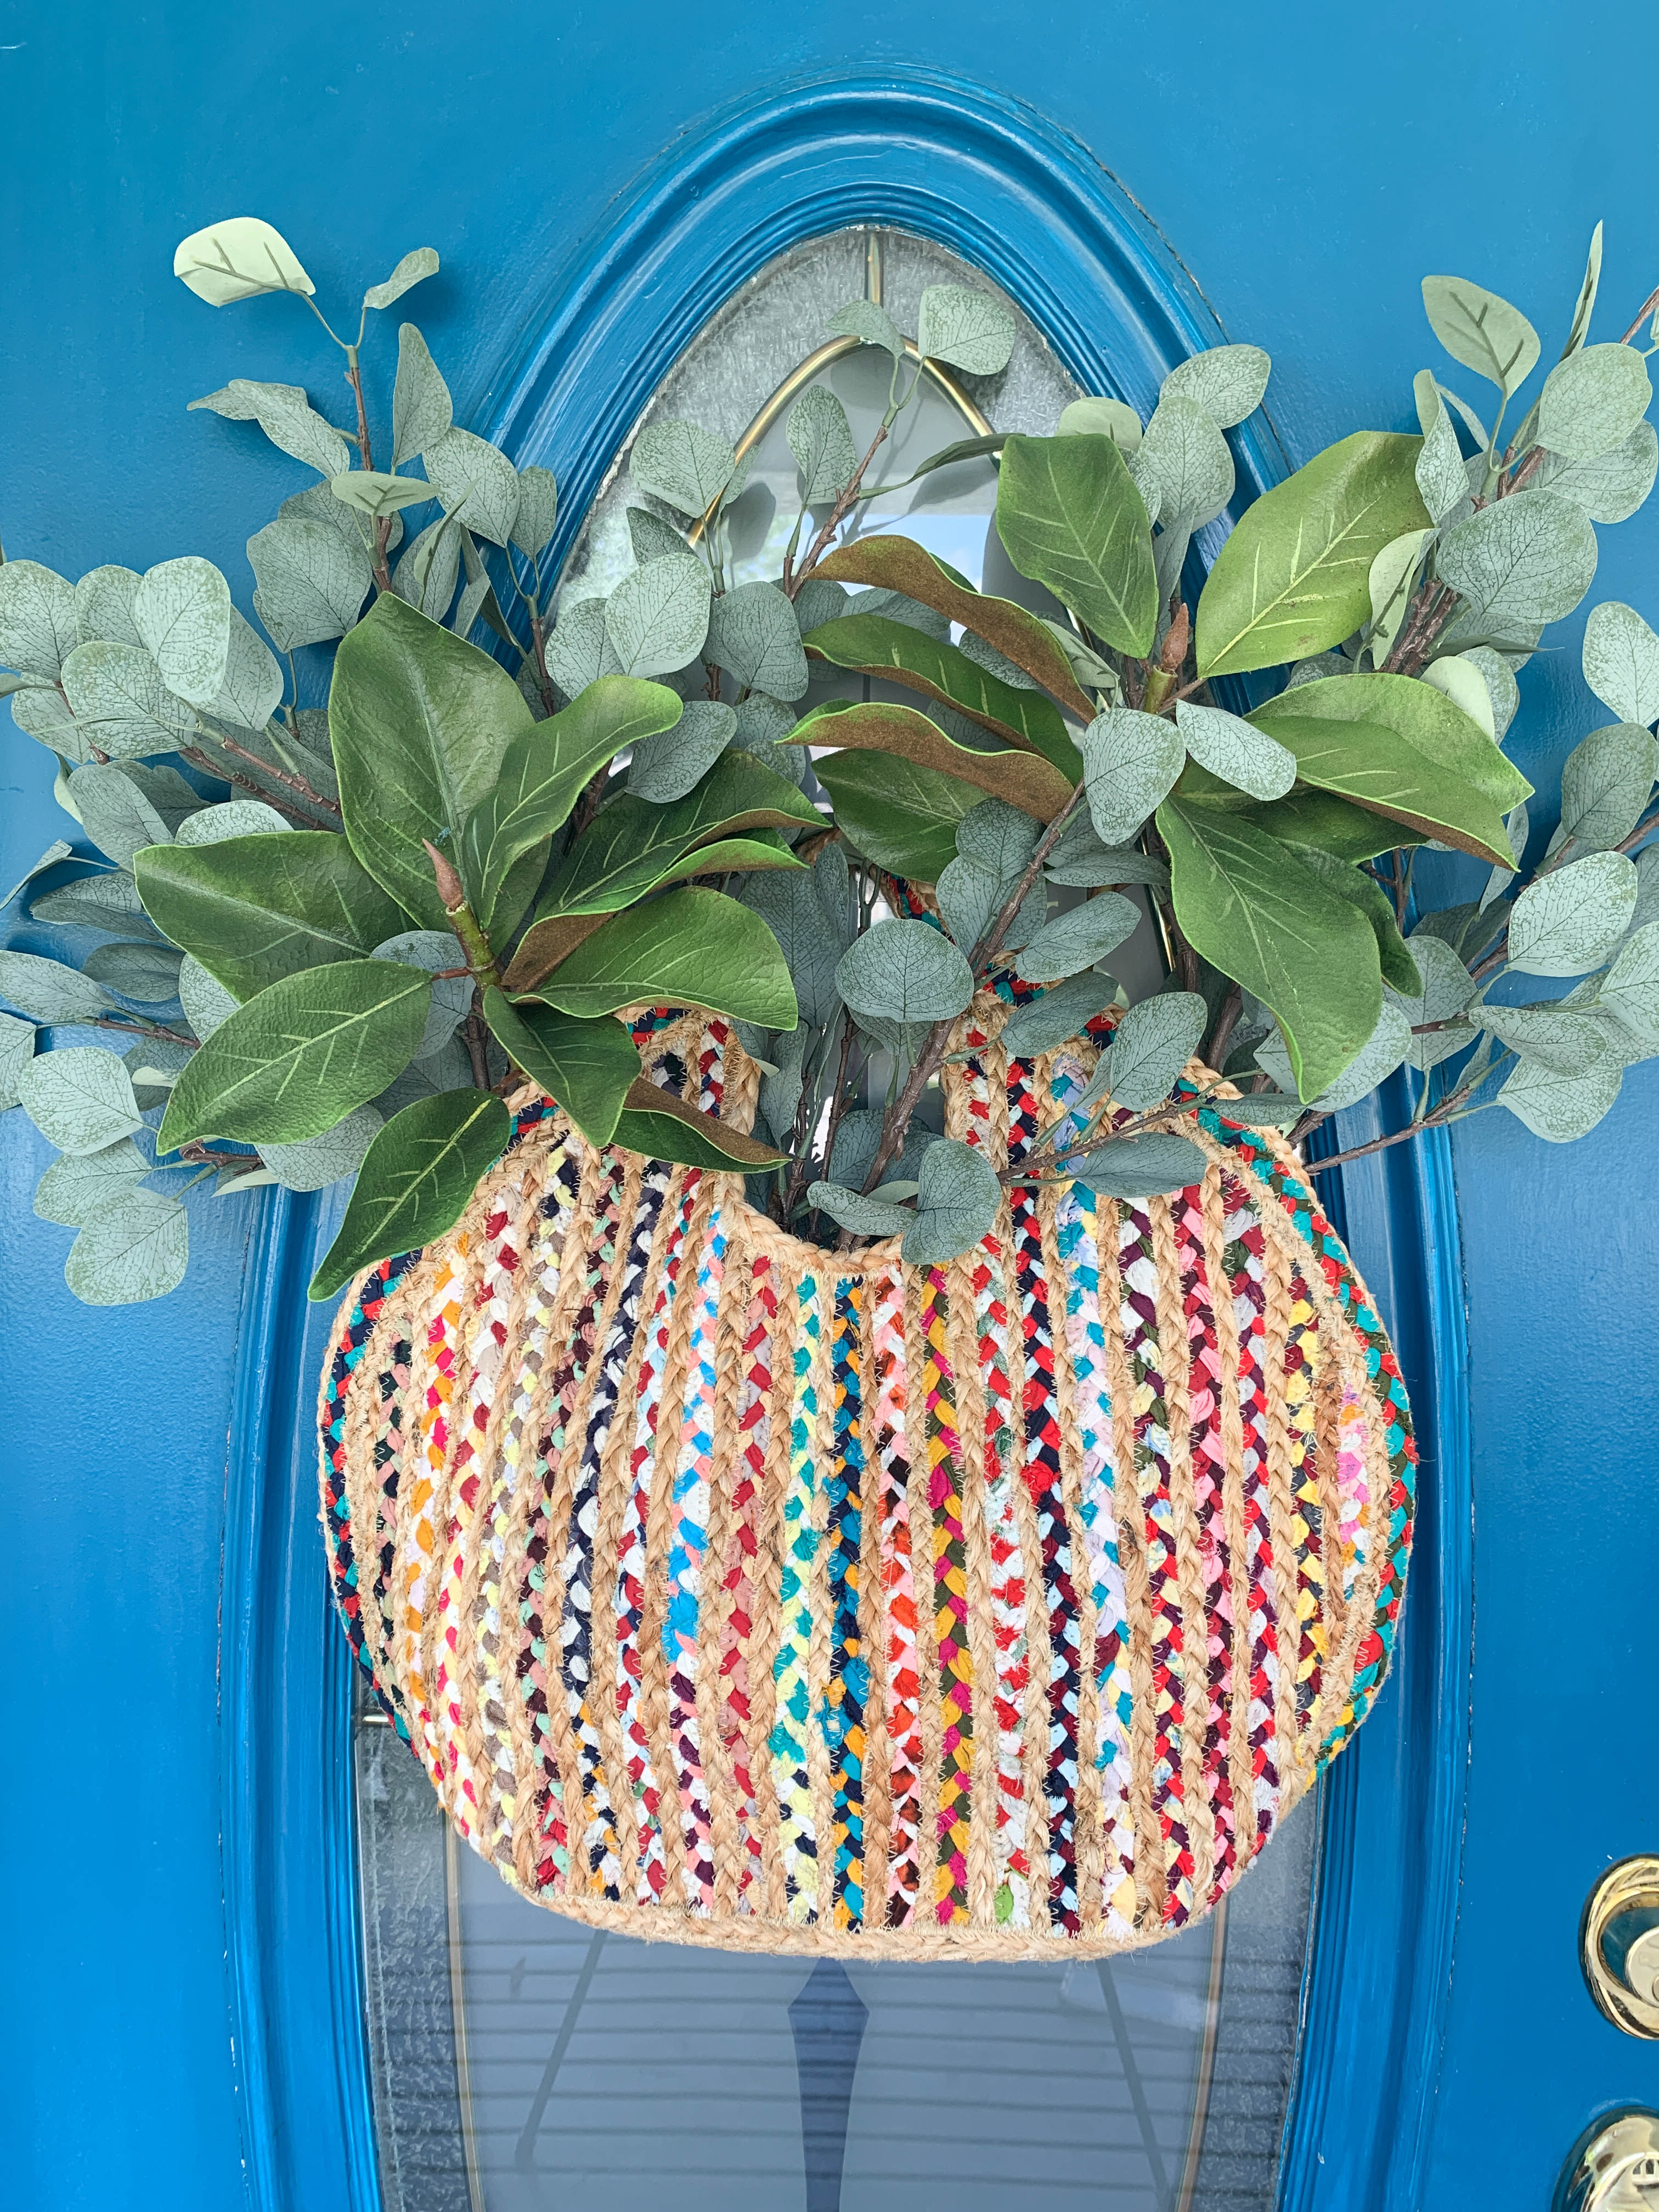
(1088,1847)
(1241,1783)
(748,1593)
(1281,1515)
(1149,1886)
(716,1728)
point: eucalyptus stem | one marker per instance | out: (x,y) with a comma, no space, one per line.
(365,453)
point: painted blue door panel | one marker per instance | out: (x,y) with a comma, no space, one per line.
(1309,166)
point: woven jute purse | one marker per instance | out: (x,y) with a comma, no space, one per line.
(739,1591)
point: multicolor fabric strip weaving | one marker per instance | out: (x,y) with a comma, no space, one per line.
(736,1590)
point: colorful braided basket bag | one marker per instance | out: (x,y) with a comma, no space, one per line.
(997,1609)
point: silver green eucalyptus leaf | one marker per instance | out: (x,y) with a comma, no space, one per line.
(476,483)
(1315,671)
(897,606)
(685,466)
(38,629)
(234,817)
(788,902)
(1388,1047)
(1392,574)
(136,1247)
(1502,692)
(121,704)
(154,1065)
(864,1216)
(1441,476)
(1606,784)
(1567,923)
(430,569)
(538,512)
(310,580)
(984,655)
(103,605)
(869,323)
(79,1098)
(1057,1016)
(109,901)
(904,971)
(371,492)
(1521,561)
(413,269)
(968,329)
(1185,463)
(1104,418)
(957,1195)
(433,949)
(1621,662)
(206,1000)
(651,538)
(1142,1167)
(1131,762)
(77,1187)
(1076,940)
(753,635)
(657,618)
(780,1091)
(57,850)
(288,419)
(116,811)
(41,713)
(1592,400)
(1611,487)
(238,258)
(832,880)
(253,688)
(1561,1107)
(16,1051)
(1630,991)
(970,895)
(1228,382)
(1516,827)
(665,767)
(1568,1041)
(147,973)
(421,410)
(820,440)
(1464,684)
(1585,304)
(315,1162)
(1236,750)
(1482,331)
(1448,989)
(1152,1045)
(476,590)
(578,651)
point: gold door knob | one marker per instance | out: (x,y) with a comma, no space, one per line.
(1615,2168)
(1618,1946)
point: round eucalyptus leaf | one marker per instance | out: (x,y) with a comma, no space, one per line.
(1631,991)
(1228,382)
(236,818)
(1131,762)
(686,466)
(76,1186)
(1568,922)
(1568,1041)
(1621,662)
(206,1002)
(865,1216)
(237,259)
(657,618)
(905,971)
(957,1195)
(1076,940)
(79,1098)
(49,991)
(38,629)
(182,610)
(1141,1167)
(316,1162)
(136,1247)
(1152,1045)
(1103,418)
(147,973)
(1236,750)
(968,329)
(1592,401)
(1561,1107)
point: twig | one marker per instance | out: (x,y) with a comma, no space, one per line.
(133,1027)
(1222,1027)
(383,525)
(846,499)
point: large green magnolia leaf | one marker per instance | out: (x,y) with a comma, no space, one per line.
(1070,517)
(585,1066)
(1254,910)
(1423,716)
(1375,768)
(899,564)
(296,1058)
(420,723)
(414,1181)
(899,815)
(1295,576)
(874,645)
(1319,821)
(633,844)
(543,773)
(664,1127)
(254,909)
(688,948)
(1034,785)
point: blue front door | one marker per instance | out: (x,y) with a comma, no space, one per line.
(196,2001)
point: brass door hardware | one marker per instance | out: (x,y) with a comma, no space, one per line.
(1618,1946)
(1614,2167)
